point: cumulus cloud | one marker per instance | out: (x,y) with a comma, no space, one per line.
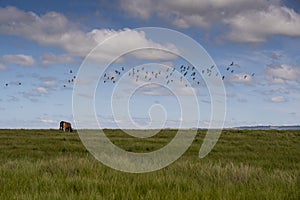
(48,121)
(141,9)
(276,55)
(248,21)
(278,99)
(52,59)
(3,67)
(190,12)
(49,83)
(276,91)
(18,59)
(125,39)
(161,91)
(257,25)
(241,78)
(42,90)
(282,74)
(54,29)
(51,29)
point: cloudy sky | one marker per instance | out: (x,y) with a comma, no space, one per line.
(44,43)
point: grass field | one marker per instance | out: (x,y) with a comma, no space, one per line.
(48,164)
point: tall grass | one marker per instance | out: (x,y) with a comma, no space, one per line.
(48,164)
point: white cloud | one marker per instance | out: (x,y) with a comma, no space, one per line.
(277,91)
(42,90)
(163,89)
(257,25)
(130,39)
(185,13)
(49,83)
(248,21)
(48,121)
(51,59)
(2,67)
(183,91)
(51,29)
(181,23)
(278,99)
(241,78)
(141,9)
(281,74)
(19,59)
(54,29)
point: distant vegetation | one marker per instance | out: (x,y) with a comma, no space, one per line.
(48,164)
(295,127)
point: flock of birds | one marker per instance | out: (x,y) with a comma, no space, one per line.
(186,72)
(141,73)
(71,79)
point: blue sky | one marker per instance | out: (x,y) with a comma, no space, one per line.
(41,41)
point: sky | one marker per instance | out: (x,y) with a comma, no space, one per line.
(46,45)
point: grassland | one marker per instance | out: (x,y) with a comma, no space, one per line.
(48,164)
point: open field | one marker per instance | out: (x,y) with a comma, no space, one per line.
(48,164)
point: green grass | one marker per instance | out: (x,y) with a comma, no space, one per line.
(48,164)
